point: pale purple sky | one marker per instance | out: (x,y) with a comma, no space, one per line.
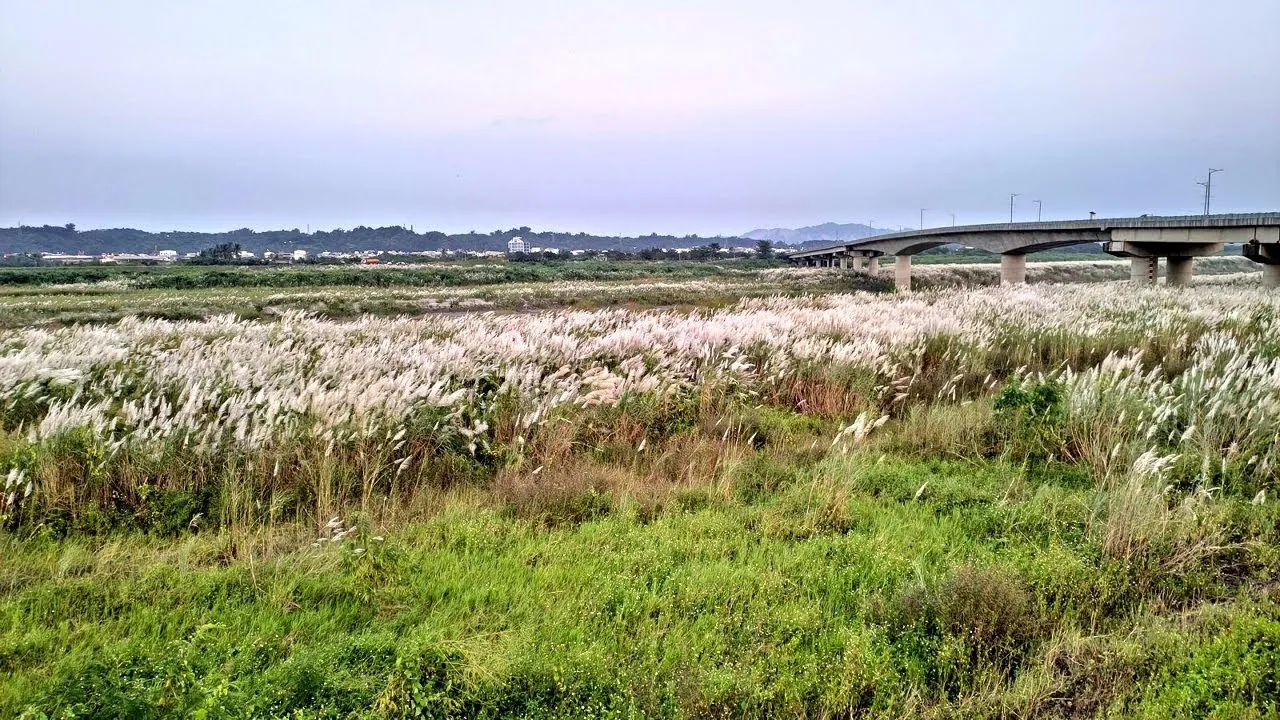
(632,117)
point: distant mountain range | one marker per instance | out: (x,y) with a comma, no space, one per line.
(825,233)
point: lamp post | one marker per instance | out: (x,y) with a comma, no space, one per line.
(1208,188)
(953,219)
(1038,208)
(1011,197)
(922,217)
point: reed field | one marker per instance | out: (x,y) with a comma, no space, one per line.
(767,493)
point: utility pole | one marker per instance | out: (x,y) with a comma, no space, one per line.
(1011,197)
(1208,188)
(922,217)
(1038,208)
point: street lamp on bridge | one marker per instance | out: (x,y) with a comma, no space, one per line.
(1208,187)
(922,217)
(1038,208)
(1011,197)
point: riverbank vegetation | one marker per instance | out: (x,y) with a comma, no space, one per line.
(1030,501)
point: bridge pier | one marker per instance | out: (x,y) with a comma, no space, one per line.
(1178,271)
(902,273)
(873,264)
(1142,270)
(1013,269)
(844,262)
(1267,255)
(857,261)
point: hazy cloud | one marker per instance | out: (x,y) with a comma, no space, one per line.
(629,116)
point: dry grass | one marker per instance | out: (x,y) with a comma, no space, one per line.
(949,431)
(568,489)
(1150,526)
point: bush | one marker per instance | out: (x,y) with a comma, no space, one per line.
(172,512)
(991,608)
(984,615)
(1030,421)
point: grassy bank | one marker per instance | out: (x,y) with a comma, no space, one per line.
(856,586)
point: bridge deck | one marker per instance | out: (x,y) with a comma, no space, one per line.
(1085,228)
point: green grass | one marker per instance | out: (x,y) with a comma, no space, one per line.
(860,586)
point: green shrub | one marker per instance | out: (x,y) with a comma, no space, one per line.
(989,607)
(168,513)
(426,683)
(770,427)
(1030,421)
(982,616)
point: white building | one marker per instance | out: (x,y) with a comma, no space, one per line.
(516,245)
(66,258)
(134,258)
(299,255)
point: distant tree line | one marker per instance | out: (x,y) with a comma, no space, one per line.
(710,251)
(66,239)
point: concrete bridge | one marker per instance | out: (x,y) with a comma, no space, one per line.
(1144,240)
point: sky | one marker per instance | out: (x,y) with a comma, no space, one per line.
(668,116)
